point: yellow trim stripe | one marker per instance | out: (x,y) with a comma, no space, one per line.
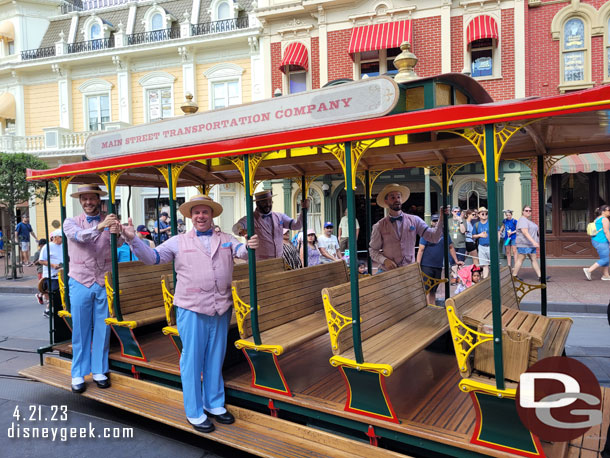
(405,129)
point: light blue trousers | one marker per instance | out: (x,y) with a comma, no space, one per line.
(204,343)
(90,334)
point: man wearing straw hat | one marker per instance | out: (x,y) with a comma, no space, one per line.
(395,234)
(88,236)
(269,226)
(203,259)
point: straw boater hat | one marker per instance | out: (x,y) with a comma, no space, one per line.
(88,189)
(200,199)
(263,195)
(403,190)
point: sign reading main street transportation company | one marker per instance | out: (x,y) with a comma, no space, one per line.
(347,102)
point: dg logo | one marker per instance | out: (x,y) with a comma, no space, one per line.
(559,399)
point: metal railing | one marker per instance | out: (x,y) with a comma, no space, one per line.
(91,45)
(38,53)
(224,25)
(68,142)
(153,36)
(69,6)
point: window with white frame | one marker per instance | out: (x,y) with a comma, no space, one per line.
(297,79)
(574,51)
(223,11)
(98,111)
(95,31)
(481,57)
(156,22)
(314,214)
(376,62)
(472,195)
(158,94)
(224,85)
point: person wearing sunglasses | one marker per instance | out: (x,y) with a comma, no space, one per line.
(480,233)
(527,241)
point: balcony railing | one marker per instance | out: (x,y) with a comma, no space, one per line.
(38,53)
(91,45)
(83,5)
(67,143)
(224,25)
(153,36)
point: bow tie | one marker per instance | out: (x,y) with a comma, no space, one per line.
(207,233)
(90,219)
(268,215)
(393,219)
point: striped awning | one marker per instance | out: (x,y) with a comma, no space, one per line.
(294,54)
(7,30)
(7,106)
(592,162)
(380,36)
(482,27)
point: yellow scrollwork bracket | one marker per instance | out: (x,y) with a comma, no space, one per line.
(242,310)
(373,175)
(431,282)
(336,321)
(176,171)
(275,349)
(308,181)
(357,151)
(254,162)
(111,183)
(467,385)
(110,295)
(205,188)
(476,139)
(522,288)
(63,189)
(168,300)
(383,369)
(451,170)
(62,290)
(464,342)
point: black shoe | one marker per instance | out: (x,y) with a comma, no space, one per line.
(80,388)
(548,277)
(206,427)
(102,383)
(226,418)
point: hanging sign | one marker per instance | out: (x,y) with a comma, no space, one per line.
(364,99)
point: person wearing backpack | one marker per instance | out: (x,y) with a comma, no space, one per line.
(601,242)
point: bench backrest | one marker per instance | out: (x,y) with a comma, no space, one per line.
(140,285)
(289,295)
(468,298)
(385,299)
(268,266)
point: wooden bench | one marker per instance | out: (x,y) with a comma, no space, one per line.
(290,313)
(526,338)
(396,324)
(141,303)
(240,272)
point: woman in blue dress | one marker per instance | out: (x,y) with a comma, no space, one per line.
(508,234)
(601,242)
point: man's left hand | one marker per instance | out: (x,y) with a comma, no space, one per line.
(252,242)
(305,204)
(445,210)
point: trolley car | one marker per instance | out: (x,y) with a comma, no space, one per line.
(330,364)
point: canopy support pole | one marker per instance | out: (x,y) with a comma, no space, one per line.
(540,181)
(368,223)
(129,215)
(496,299)
(251,253)
(445,184)
(63,185)
(304,189)
(111,185)
(48,248)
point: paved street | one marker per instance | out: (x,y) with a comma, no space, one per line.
(22,330)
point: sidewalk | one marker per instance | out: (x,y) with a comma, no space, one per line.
(25,284)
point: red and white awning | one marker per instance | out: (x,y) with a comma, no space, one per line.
(295,54)
(482,27)
(592,162)
(380,36)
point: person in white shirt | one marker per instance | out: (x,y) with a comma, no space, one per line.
(344,231)
(57,260)
(329,245)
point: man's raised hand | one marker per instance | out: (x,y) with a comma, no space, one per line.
(129,231)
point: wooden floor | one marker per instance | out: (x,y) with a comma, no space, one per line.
(424,392)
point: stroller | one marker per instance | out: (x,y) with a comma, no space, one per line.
(468,275)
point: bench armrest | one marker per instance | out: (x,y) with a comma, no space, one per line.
(168,300)
(467,385)
(522,288)
(431,282)
(109,295)
(336,322)
(275,349)
(465,339)
(242,310)
(62,289)
(125,324)
(383,369)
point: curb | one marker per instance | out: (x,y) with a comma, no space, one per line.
(18,289)
(565,307)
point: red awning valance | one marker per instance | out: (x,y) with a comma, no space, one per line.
(482,27)
(586,163)
(295,54)
(380,36)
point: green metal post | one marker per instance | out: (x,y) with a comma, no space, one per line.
(251,255)
(353,254)
(542,231)
(172,210)
(64,247)
(304,210)
(496,299)
(368,223)
(113,254)
(445,190)
(48,248)
(158,216)
(129,215)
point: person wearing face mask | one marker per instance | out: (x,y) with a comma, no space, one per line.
(393,239)
(88,238)
(269,226)
(203,259)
